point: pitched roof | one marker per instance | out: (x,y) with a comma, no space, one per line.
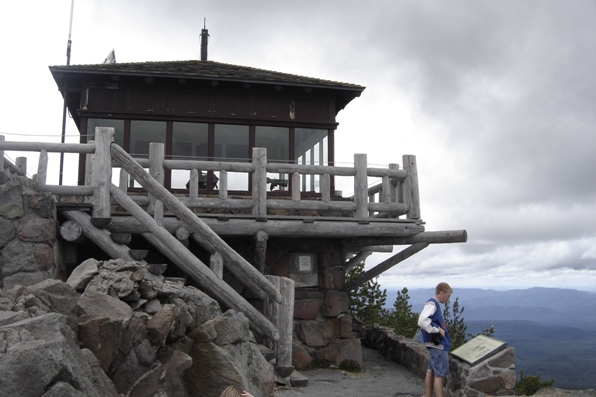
(205,70)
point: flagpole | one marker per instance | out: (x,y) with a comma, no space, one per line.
(65,94)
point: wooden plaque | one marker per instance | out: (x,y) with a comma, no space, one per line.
(479,349)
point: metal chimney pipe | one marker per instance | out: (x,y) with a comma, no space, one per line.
(204,41)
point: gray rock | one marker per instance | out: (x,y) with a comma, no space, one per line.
(161,324)
(7,232)
(82,274)
(166,379)
(152,306)
(39,353)
(11,200)
(103,320)
(112,282)
(216,366)
(37,229)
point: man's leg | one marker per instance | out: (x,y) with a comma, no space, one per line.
(438,386)
(428,382)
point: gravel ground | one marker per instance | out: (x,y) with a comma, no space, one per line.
(380,377)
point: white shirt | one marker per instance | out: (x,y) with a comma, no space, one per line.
(424,319)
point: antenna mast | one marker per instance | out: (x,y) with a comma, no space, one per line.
(65,94)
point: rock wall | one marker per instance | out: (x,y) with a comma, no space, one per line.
(494,376)
(116,328)
(28,248)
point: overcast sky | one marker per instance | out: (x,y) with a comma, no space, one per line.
(497,99)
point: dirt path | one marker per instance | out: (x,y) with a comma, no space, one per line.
(380,377)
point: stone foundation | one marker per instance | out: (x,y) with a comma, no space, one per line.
(28,249)
(322,323)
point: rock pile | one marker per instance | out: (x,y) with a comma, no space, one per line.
(119,328)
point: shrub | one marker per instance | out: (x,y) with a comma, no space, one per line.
(528,385)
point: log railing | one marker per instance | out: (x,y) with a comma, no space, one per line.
(396,195)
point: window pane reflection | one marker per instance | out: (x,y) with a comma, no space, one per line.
(144,132)
(275,140)
(231,143)
(118,126)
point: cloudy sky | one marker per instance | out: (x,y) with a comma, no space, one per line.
(497,99)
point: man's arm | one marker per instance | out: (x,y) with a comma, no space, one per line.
(424,321)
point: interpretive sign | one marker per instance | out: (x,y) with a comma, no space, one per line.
(479,349)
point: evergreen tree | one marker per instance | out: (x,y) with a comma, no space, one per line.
(367,302)
(403,320)
(455,323)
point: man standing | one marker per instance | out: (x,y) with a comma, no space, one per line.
(436,338)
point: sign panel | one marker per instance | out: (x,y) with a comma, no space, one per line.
(479,349)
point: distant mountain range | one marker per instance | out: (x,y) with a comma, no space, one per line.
(547,306)
(552,330)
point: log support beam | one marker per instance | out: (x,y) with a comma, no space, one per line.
(384,266)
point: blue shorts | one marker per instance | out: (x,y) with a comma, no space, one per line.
(439,362)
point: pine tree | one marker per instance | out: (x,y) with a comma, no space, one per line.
(367,302)
(403,320)
(455,324)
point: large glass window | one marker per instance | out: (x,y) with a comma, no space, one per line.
(231,144)
(118,126)
(275,140)
(189,141)
(311,147)
(142,133)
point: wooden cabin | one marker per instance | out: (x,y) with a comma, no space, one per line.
(227,173)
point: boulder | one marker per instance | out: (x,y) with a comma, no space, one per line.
(82,274)
(39,356)
(229,356)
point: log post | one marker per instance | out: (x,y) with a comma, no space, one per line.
(360,186)
(21,163)
(216,263)
(326,188)
(193,184)
(296,186)
(89,161)
(42,168)
(282,315)
(259,182)
(123,180)
(156,153)
(411,193)
(102,177)
(393,186)
(167,244)
(223,184)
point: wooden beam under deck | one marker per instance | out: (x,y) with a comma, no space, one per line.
(304,228)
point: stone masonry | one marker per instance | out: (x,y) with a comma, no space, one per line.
(322,321)
(494,376)
(28,248)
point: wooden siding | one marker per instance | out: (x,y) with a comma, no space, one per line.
(211,104)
